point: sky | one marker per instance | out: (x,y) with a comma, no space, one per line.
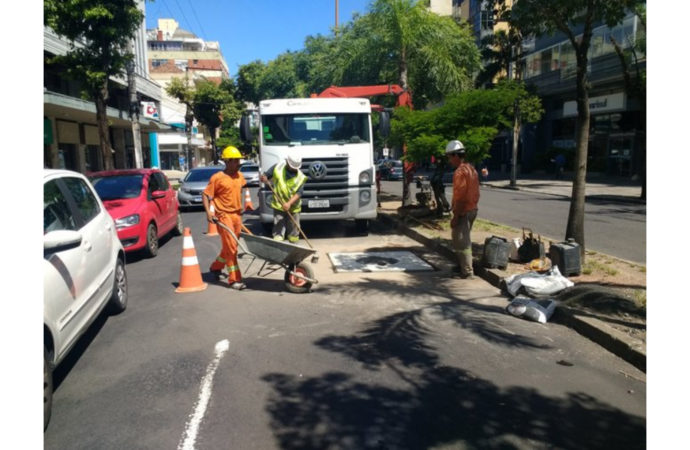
(254,29)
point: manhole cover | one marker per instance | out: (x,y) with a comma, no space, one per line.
(393,261)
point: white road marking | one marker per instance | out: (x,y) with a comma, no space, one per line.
(192,428)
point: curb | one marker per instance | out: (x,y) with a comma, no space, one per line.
(590,197)
(593,329)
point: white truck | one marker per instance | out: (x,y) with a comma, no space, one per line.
(335,140)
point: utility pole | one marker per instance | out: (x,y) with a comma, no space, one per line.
(188,122)
(134,110)
(336,17)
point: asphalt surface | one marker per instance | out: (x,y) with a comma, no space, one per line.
(613,225)
(367,360)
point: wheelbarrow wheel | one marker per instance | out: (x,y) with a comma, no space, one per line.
(295,284)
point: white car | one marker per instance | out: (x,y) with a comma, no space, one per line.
(83,267)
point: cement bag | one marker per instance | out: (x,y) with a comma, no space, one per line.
(537,284)
(534,310)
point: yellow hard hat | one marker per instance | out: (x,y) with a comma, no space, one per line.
(231,152)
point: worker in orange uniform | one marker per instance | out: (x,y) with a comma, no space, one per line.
(225,191)
(464,205)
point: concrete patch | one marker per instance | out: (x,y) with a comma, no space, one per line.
(392,261)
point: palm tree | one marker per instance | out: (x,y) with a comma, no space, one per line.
(431,56)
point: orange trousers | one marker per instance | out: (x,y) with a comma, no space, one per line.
(228,253)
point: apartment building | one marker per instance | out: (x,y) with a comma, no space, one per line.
(70,128)
(616,144)
(616,141)
(177,53)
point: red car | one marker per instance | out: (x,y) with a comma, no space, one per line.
(143,205)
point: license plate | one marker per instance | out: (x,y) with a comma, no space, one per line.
(197,198)
(319,203)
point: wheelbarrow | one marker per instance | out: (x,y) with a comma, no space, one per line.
(299,275)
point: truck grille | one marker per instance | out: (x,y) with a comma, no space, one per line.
(332,186)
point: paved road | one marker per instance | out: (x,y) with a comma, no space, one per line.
(613,228)
(374,360)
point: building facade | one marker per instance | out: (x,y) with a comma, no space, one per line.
(70,128)
(617,138)
(177,53)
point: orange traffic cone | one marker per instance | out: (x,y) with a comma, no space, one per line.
(247,201)
(190,272)
(212,227)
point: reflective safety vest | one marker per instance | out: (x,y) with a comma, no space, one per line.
(285,189)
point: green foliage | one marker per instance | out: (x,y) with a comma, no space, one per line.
(209,100)
(104,28)
(398,42)
(474,117)
(180,89)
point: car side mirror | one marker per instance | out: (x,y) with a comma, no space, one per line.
(61,240)
(246,129)
(385,124)
(158,194)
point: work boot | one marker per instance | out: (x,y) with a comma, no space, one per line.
(466,271)
(238,285)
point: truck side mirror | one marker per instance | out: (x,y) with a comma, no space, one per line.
(246,129)
(385,123)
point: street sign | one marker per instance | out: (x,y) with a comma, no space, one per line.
(385,151)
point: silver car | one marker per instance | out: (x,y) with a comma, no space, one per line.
(250,171)
(194,183)
(83,268)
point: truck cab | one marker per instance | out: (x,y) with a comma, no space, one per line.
(335,140)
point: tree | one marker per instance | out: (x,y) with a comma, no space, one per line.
(100,32)
(429,55)
(474,117)
(248,81)
(209,99)
(538,17)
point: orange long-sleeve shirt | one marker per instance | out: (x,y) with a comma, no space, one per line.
(226,192)
(465,189)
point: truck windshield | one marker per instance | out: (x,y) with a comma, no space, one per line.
(315,129)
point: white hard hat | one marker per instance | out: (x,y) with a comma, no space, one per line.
(294,161)
(455,147)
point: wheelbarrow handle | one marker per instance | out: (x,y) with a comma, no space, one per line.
(232,233)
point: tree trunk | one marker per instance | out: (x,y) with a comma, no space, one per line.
(576,215)
(408,168)
(103,131)
(134,112)
(516,142)
(213,146)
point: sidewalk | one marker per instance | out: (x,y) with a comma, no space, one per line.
(596,330)
(598,186)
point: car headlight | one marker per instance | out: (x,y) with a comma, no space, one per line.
(185,189)
(128,221)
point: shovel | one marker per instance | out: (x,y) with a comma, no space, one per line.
(315,256)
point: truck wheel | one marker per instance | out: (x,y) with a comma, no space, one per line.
(267,229)
(362,227)
(295,284)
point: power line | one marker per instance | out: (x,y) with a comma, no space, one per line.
(189,25)
(204,35)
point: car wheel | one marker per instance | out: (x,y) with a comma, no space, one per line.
(119,297)
(179,226)
(151,241)
(295,284)
(47,389)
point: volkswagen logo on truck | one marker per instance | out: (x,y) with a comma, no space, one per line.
(317,170)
